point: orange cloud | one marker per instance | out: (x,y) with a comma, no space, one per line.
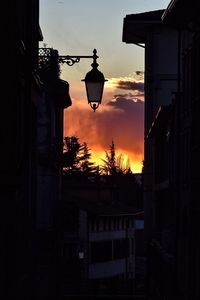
(120,118)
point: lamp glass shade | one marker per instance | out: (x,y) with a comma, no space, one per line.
(94,91)
(81,255)
(94,83)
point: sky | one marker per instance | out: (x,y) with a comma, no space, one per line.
(76,27)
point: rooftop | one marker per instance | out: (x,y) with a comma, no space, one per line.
(134,26)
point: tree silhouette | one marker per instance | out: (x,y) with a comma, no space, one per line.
(76,157)
(113,165)
(109,163)
(87,167)
(71,148)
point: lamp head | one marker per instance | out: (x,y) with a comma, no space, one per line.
(94,83)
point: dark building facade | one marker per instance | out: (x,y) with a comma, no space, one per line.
(31,149)
(18,144)
(184,17)
(55,98)
(146,29)
(171,160)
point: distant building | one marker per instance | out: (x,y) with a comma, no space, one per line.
(103,232)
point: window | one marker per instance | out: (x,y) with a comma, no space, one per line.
(120,248)
(101,251)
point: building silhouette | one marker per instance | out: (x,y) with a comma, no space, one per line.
(31,150)
(18,156)
(171,162)
(55,99)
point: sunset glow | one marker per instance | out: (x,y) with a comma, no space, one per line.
(77,27)
(113,83)
(135,164)
(119,118)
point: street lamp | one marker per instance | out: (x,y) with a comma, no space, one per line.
(80,254)
(94,79)
(94,83)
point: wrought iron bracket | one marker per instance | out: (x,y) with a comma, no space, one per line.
(70,60)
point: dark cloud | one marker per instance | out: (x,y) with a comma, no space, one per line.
(139,73)
(127,104)
(130,85)
(129,95)
(124,124)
